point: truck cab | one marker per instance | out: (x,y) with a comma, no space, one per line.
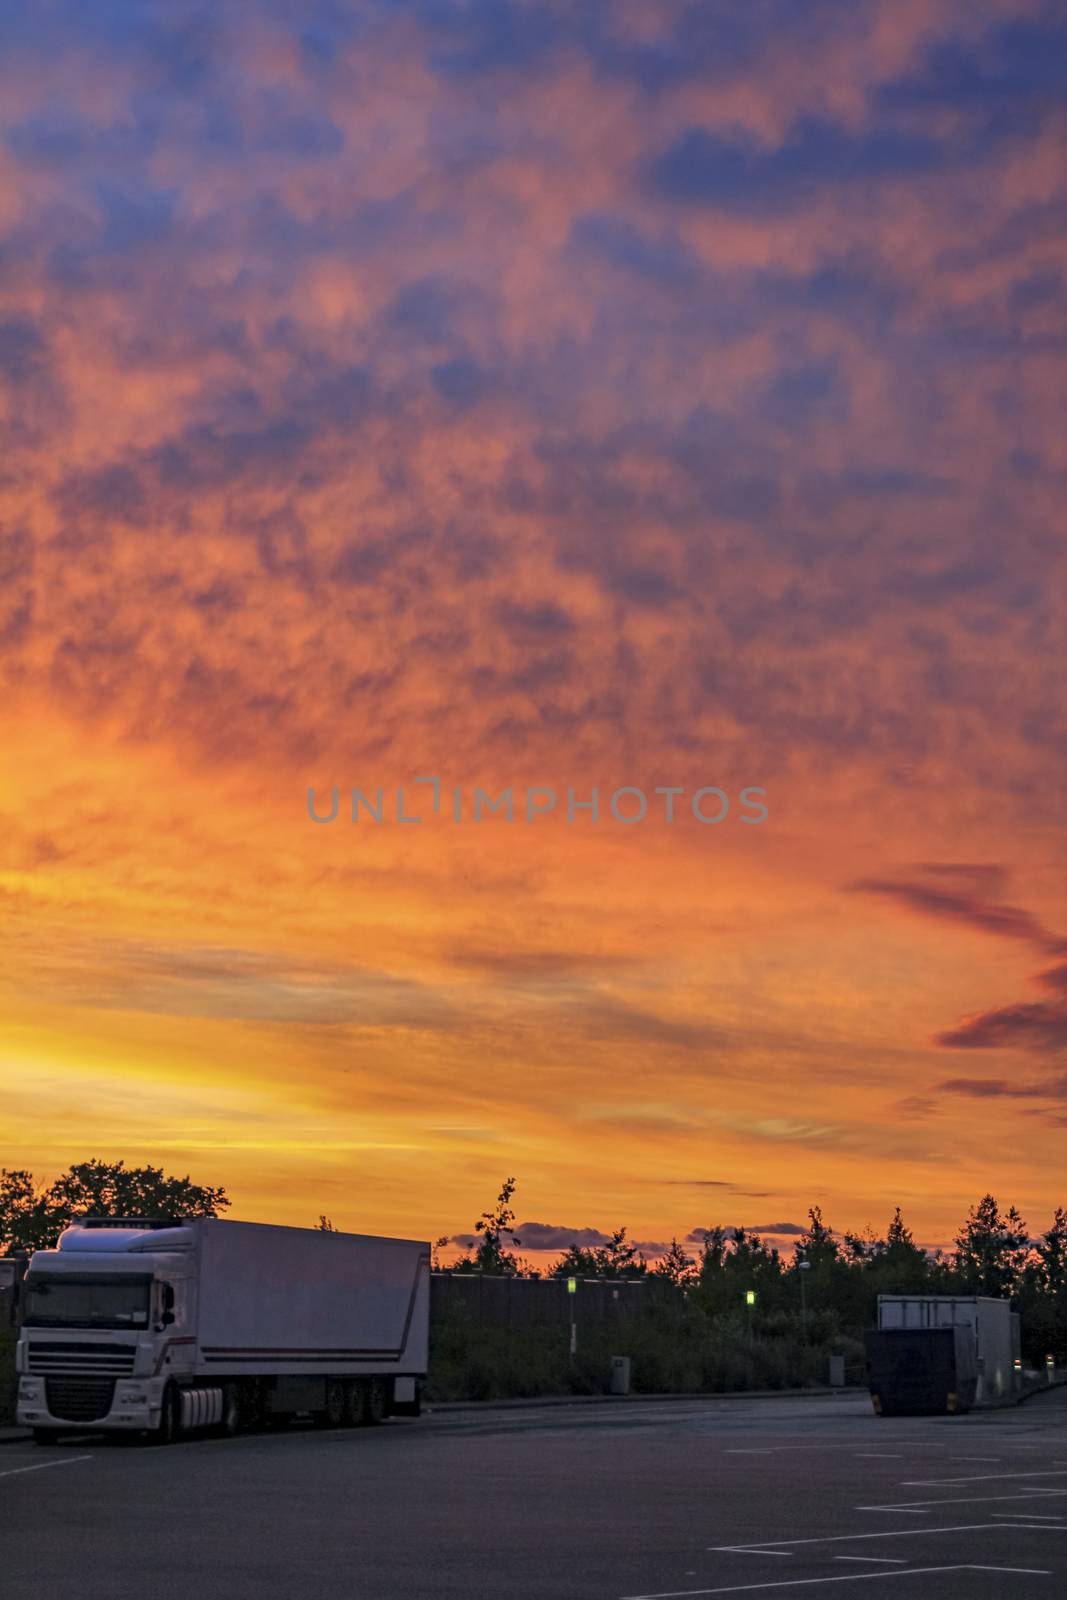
(107,1322)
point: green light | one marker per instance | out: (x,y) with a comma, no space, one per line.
(572,1285)
(750,1297)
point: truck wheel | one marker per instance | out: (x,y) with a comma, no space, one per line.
(230,1421)
(46,1435)
(333,1412)
(169,1417)
(254,1407)
(355,1404)
(377,1403)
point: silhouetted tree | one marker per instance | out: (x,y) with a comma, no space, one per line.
(1042,1295)
(730,1264)
(618,1258)
(490,1255)
(32,1218)
(991,1249)
(676,1266)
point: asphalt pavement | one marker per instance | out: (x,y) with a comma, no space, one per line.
(661,1501)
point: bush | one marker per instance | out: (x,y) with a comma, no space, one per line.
(672,1351)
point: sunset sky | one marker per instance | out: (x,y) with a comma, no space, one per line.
(537,395)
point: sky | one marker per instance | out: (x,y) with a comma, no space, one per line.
(536,397)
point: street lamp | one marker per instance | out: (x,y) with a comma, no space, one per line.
(572,1289)
(803,1266)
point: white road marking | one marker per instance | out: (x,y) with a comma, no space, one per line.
(957,1500)
(851,1577)
(905,1511)
(38,1466)
(848,1538)
(1031,1516)
(875,1455)
(982,1477)
(1033,1572)
(976,1458)
(888,1561)
(749,1452)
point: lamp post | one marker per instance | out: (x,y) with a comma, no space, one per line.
(802,1267)
(572,1289)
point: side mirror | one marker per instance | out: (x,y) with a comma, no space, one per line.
(166,1315)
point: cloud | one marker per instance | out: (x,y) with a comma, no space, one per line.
(533,395)
(765,1229)
(1036,1025)
(696,1183)
(736,174)
(915,1107)
(238,984)
(548,1236)
(1006,921)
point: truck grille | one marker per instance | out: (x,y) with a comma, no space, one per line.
(79,1399)
(107,1360)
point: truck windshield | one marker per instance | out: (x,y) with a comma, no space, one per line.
(96,1302)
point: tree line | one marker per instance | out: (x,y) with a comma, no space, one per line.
(833,1276)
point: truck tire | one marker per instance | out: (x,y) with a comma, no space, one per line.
(230,1421)
(355,1403)
(254,1411)
(170,1416)
(377,1401)
(46,1435)
(332,1414)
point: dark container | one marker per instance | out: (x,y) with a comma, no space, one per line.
(918,1372)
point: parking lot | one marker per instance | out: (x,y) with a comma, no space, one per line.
(649,1499)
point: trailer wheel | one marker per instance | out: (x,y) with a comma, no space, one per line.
(377,1401)
(355,1403)
(253,1406)
(333,1412)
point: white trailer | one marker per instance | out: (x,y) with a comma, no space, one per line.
(994,1331)
(158,1325)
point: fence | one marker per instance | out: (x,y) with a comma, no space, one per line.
(537,1302)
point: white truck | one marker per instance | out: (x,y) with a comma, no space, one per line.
(164,1326)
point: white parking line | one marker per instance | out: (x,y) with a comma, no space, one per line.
(1031,1516)
(851,1577)
(848,1538)
(876,1455)
(888,1561)
(912,1506)
(982,1477)
(38,1466)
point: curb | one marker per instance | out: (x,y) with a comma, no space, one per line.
(548,1400)
(14,1435)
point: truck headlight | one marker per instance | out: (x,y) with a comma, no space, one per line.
(132,1397)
